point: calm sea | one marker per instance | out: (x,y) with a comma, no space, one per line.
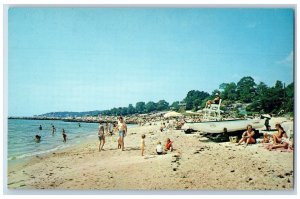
(21,134)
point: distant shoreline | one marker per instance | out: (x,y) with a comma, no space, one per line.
(68,120)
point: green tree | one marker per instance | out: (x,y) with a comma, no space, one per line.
(229,91)
(140,107)
(289,98)
(162,105)
(123,111)
(175,106)
(196,104)
(130,109)
(150,106)
(262,98)
(192,96)
(246,89)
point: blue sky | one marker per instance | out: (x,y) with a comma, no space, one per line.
(80,59)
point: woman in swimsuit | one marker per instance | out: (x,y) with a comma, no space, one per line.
(280,136)
(248,136)
(101,137)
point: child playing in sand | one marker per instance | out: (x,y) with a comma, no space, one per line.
(169,145)
(159,148)
(162,127)
(143,144)
(266,138)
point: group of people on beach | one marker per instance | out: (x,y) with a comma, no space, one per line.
(160,150)
(279,139)
(121,128)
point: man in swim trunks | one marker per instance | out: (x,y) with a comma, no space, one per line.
(122,128)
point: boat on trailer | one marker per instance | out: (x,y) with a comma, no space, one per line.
(222,126)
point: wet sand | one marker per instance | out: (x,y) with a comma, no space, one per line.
(194,165)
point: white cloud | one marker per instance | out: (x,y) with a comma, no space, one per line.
(288,59)
(252,25)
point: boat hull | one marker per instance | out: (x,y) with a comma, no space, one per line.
(219,126)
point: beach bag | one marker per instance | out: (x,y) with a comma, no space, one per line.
(256,134)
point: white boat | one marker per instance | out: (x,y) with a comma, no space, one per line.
(219,126)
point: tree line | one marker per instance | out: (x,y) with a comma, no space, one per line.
(259,98)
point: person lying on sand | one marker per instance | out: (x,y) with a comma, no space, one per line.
(248,136)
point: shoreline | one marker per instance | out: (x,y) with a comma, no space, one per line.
(67,120)
(194,165)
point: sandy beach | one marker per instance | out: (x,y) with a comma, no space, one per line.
(195,164)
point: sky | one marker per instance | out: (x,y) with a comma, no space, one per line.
(83,59)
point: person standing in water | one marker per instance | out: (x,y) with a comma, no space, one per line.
(64,135)
(122,128)
(37,138)
(53,129)
(41,128)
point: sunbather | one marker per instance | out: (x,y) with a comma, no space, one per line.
(278,138)
(285,144)
(248,136)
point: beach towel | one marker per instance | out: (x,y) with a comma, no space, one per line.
(268,145)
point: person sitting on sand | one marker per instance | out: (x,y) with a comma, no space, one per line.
(248,136)
(122,127)
(37,138)
(169,145)
(143,144)
(280,136)
(266,138)
(162,127)
(214,101)
(64,135)
(285,144)
(159,148)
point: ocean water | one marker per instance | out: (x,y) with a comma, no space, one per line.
(21,134)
